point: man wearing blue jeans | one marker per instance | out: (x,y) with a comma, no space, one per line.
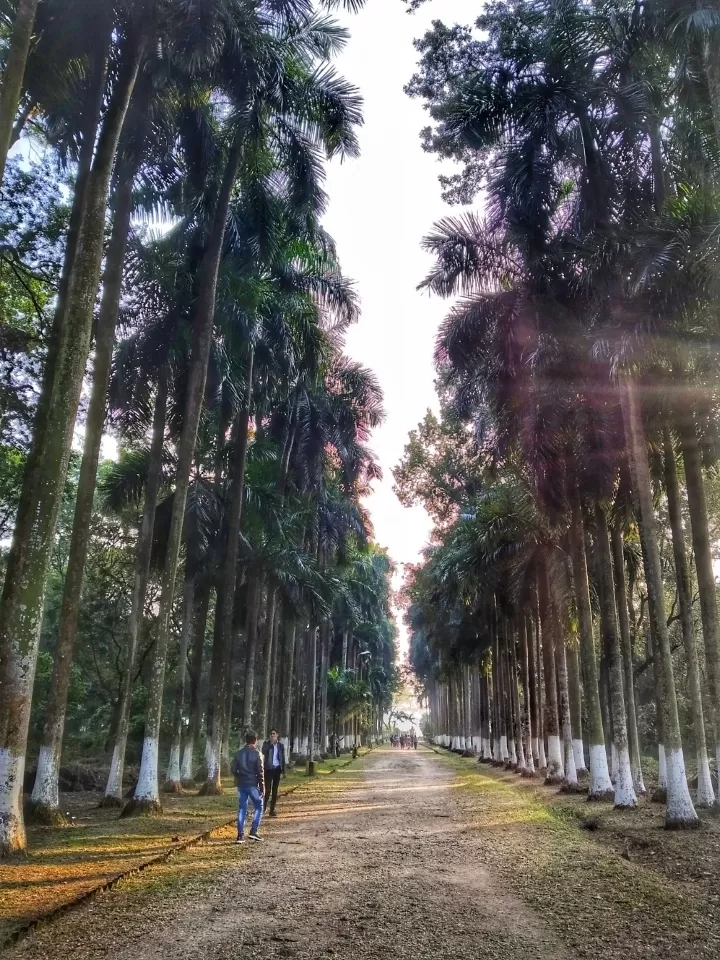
(247,768)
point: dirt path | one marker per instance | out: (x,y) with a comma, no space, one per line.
(397,857)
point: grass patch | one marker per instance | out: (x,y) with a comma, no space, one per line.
(66,863)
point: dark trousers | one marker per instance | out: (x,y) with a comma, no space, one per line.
(272,782)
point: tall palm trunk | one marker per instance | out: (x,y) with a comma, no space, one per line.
(555,767)
(600,787)
(45,797)
(703,566)
(227,586)
(113,788)
(267,658)
(147,796)
(290,628)
(525,645)
(705,795)
(563,698)
(199,617)
(251,642)
(21,607)
(621,602)
(312,706)
(173,776)
(517,709)
(13,74)
(533,690)
(680,811)
(324,667)
(624,790)
(573,669)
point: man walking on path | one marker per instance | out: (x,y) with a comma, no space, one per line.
(274,756)
(247,768)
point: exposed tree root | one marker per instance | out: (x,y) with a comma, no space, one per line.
(188,784)
(683,824)
(573,788)
(142,808)
(110,803)
(173,786)
(601,797)
(211,788)
(659,795)
(43,815)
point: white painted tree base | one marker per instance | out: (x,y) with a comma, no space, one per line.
(639,782)
(579,755)
(147,785)
(625,798)
(705,795)
(536,750)
(512,753)
(600,782)
(503,749)
(570,770)
(542,759)
(679,810)
(555,767)
(12,773)
(172,774)
(662,768)
(113,787)
(186,771)
(613,763)
(46,792)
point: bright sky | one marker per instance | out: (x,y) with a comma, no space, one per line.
(380,208)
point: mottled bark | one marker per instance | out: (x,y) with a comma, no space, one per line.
(23,597)
(705,795)
(45,796)
(600,784)
(13,74)
(624,788)
(703,566)
(621,602)
(680,811)
(113,788)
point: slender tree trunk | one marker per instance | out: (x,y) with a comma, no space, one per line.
(563,698)
(621,602)
(268,654)
(13,74)
(624,790)
(45,796)
(525,646)
(173,776)
(705,795)
(680,811)
(324,667)
(555,766)
(199,618)
(113,788)
(704,567)
(147,796)
(533,690)
(573,668)
(250,653)
(290,628)
(600,787)
(23,597)
(227,586)
(313,698)
(515,681)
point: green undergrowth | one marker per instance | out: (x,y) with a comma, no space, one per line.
(577,864)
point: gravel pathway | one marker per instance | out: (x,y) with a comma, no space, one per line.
(375,862)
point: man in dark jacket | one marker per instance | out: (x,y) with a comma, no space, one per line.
(247,768)
(274,757)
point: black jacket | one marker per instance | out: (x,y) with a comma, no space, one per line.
(267,749)
(247,768)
